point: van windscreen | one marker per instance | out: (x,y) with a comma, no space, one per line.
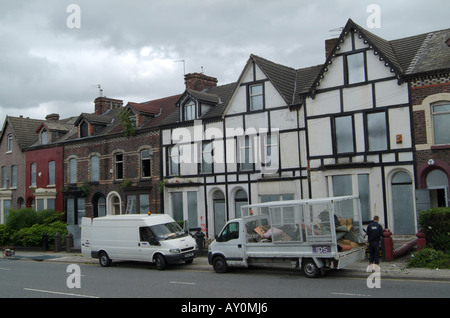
(167,231)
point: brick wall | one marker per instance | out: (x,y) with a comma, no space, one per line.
(106,148)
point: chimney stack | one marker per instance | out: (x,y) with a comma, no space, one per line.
(103,104)
(199,81)
(329,46)
(52,117)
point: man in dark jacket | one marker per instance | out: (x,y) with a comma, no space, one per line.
(374,234)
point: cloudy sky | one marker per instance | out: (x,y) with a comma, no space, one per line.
(53,54)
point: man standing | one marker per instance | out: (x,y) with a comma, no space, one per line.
(374,234)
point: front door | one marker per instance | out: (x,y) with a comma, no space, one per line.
(147,244)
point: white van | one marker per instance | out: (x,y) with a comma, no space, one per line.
(136,237)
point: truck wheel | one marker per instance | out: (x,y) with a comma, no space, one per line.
(104,259)
(310,268)
(160,262)
(220,265)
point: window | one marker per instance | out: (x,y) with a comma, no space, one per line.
(177,206)
(240,200)
(270,152)
(441,123)
(33,174)
(377,131)
(207,160)
(10,137)
(144,203)
(256,97)
(146,170)
(72,170)
(230,232)
(343,185)
(343,131)
(44,137)
(174,161)
(118,158)
(84,129)
(189,111)
(13,176)
(192,209)
(245,153)
(95,173)
(355,68)
(51,173)
(4,178)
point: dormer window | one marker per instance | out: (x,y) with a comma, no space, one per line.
(189,111)
(44,137)
(84,129)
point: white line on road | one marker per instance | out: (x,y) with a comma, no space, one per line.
(59,293)
(5,269)
(183,283)
(349,294)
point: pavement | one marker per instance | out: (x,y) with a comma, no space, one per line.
(395,269)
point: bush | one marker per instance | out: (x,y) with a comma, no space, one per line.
(25,227)
(430,258)
(436,224)
(19,219)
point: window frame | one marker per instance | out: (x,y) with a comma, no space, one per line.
(95,168)
(51,173)
(243,165)
(145,159)
(337,137)
(119,166)
(368,132)
(348,78)
(193,110)
(254,95)
(170,155)
(435,115)
(203,163)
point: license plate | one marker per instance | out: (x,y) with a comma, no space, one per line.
(188,255)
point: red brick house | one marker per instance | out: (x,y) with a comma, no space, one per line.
(112,160)
(430,99)
(17,134)
(44,162)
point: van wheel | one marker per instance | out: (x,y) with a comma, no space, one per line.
(220,265)
(160,262)
(104,259)
(310,268)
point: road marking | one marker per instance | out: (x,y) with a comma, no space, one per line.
(349,294)
(59,293)
(183,283)
(5,269)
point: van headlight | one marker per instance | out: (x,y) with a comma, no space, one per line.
(174,250)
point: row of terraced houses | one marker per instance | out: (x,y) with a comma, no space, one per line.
(372,120)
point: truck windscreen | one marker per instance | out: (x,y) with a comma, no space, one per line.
(167,231)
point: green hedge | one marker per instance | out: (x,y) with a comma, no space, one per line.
(25,227)
(436,224)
